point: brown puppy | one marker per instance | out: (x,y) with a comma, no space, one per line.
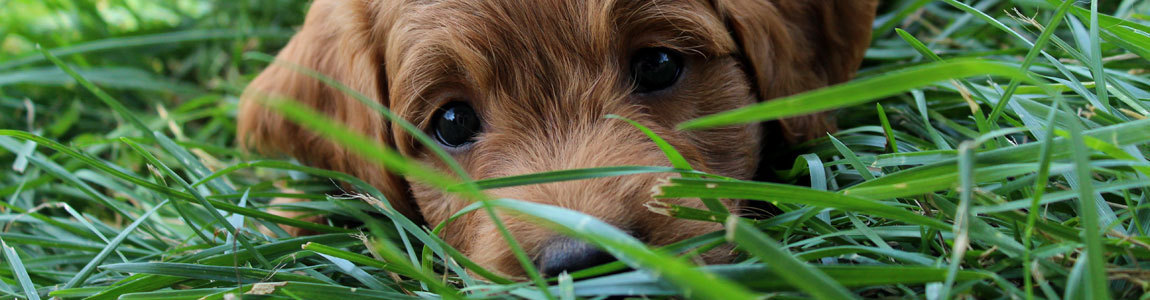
(513,87)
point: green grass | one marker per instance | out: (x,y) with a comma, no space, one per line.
(980,156)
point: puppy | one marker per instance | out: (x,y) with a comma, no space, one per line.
(512,87)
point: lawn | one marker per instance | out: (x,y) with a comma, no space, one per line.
(988,149)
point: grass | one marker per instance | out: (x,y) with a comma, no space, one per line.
(989,149)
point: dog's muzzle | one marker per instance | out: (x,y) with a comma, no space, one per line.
(567,254)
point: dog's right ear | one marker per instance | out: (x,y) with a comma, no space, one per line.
(343,40)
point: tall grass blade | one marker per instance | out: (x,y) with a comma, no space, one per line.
(19,272)
(855,92)
(806,278)
(691,282)
(99,258)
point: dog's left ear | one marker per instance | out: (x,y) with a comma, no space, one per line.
(791,46)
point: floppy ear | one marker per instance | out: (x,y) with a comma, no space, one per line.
(791,46)
(340,39)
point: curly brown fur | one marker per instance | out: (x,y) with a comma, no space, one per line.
(543,74)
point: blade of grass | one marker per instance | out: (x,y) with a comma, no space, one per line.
(62,173)
(962,218)
(893,146)
(61,243)
(1039,192)
(185,158)
(358,258)
(676,158)
(215,214)
(216,273)
(1094,53)
(692,282)
(352,270)
(910,257)
(1039,44)
(855,92)
(455,254)
(391,254)
(51,221)
(520,255)
(1095,265)
(83,220)
(806,278)
(99,258)
(901,16)
(851,158)
(304,290)
(19,272)
(89,160)
(219,256)
(963,87)
(1125,134)
(685,187)
(100,94)
(574,174)
(760,277)
(172,294)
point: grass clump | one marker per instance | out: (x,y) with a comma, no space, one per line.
(1005,157)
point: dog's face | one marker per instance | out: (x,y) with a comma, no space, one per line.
(512,87)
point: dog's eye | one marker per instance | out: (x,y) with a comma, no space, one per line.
(655,69)
(456,124)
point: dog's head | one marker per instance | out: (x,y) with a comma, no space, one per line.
(522,86)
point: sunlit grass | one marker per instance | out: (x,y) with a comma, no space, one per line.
(1018,169)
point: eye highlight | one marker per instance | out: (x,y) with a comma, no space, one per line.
(456,124)
(654,69)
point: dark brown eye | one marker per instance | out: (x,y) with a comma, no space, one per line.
(654,69)
(456,124)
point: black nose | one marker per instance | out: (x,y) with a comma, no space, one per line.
(567,254)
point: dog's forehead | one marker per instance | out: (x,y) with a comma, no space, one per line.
(512,27)
(515,40)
